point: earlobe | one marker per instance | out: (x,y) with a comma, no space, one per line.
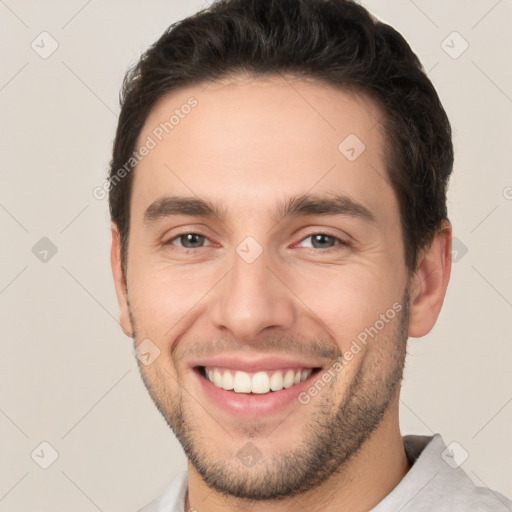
(430,281)
(119,282)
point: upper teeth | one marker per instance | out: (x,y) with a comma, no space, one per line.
(259,382)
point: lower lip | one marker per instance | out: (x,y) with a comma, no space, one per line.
(252,405)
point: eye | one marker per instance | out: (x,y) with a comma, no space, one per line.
(188,240)
(323,241)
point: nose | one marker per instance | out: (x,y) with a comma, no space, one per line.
(253,297)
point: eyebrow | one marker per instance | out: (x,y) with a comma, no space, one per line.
(177,205)
(331,204)
(295,206)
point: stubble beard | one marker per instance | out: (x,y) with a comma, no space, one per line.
(327,441)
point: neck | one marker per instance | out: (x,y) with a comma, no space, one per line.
(372,473)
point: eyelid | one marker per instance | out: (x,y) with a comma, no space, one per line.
(320,231)
(313,229)
(341,241)
(169,241)
(184,229)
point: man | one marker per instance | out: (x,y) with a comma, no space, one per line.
(279,230)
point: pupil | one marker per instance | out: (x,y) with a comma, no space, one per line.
(322,239)
(192,239)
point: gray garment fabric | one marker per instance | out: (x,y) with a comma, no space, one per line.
(432,484)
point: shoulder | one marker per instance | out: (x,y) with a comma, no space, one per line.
(436,481)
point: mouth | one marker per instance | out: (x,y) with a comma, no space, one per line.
(257,383)
(252,387)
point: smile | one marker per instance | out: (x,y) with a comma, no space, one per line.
(260,382)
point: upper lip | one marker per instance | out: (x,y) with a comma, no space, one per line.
(254,363)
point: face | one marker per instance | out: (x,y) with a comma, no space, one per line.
(266,278)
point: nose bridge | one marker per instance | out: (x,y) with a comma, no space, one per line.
(252,298)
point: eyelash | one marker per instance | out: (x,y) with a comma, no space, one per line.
(340,242)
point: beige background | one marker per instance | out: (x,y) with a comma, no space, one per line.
(68,374)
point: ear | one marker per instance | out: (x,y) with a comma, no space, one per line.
(121,291)
(429,282)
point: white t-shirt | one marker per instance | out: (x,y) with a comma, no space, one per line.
(434,483)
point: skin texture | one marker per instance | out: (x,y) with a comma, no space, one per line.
(249,144)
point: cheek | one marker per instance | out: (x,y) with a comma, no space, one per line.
(347,300)
(166,300)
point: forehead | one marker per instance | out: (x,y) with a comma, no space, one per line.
(247,140)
